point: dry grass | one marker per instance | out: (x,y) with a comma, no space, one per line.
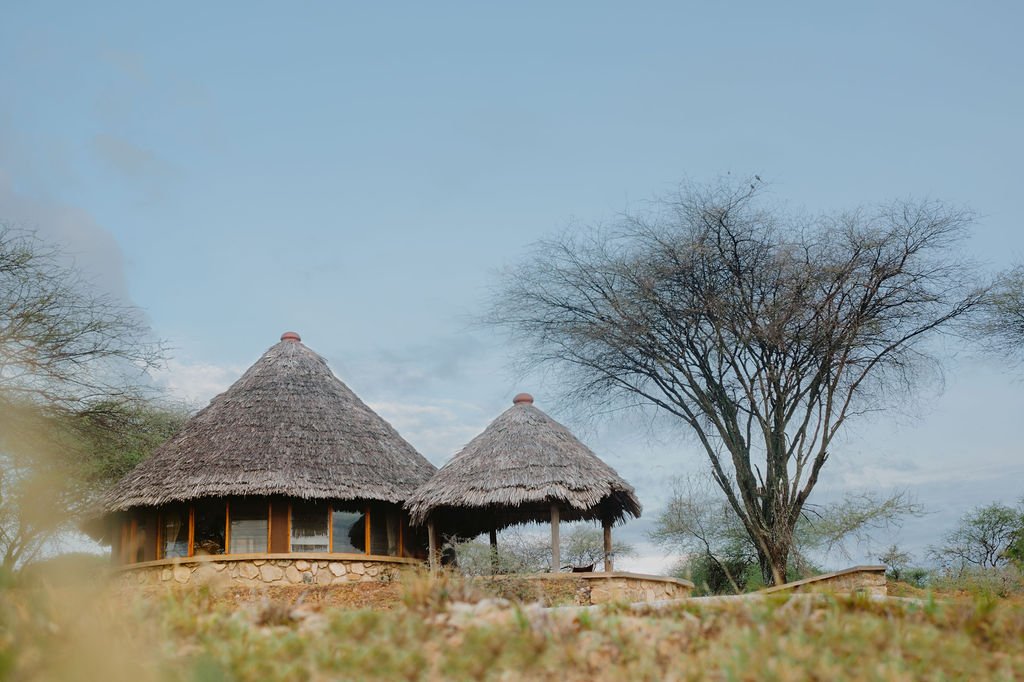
(435,634)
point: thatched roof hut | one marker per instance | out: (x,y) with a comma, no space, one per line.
(288,427)
(286,461)
(524,467)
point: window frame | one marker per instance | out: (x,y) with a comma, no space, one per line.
(227,530)
(127,551)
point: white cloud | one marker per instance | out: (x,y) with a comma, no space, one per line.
(74,231)
(438,431)
(196,382)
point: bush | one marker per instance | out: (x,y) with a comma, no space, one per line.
(1002,581)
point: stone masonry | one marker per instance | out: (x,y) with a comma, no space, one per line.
(258,572)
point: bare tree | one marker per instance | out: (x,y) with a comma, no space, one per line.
(896,561)
(760,330)
(1002,328)
(72,410)
(62,343)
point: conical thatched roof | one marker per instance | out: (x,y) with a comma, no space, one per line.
(514,471)
(288,426)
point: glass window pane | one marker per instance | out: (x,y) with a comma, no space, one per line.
(384,524)
(138,541)
(174,532)
(348,532)
(309,527)
(249,527)
(209,532)
(414,540)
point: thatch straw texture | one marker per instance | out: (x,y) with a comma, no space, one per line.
(521,464)
(288,426)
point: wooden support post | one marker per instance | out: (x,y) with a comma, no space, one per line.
(494,551)
(556,556)
(435,563)
(607,546)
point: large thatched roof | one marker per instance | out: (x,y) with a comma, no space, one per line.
(514,471)
(288,426)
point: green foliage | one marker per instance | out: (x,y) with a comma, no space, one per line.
(896,562)
(56,462)
(986,537)
(73,412)
(719,575)
(698,523)
(583,546)
(981,581)
(855,517)
(735,574)
(519,552)
(115,436)
(61,570)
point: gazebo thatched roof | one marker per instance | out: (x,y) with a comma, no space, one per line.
(289,427)
(521,464)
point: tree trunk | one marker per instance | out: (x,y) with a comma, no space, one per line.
(773,562)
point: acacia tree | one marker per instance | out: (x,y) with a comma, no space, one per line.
(761,330)
(72,413)
(62,343)
(986,537)
(1002,328)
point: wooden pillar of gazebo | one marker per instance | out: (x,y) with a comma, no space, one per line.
(556,558)
(534,452)
(494,550)
(607,546)
(432,550)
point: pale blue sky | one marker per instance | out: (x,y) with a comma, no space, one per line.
(358,173)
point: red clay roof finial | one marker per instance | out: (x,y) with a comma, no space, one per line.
(523,398)
(291,336)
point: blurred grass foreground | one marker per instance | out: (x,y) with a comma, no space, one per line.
(447,629)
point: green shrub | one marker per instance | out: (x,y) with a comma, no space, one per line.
(1003,581)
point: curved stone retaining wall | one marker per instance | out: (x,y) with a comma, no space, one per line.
(586,589)
(269,569)
(857,580)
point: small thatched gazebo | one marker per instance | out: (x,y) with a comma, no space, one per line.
(524,467)
(286,467)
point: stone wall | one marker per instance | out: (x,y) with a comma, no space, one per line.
(635,588)
(314,569)
(857,580)
(585,589)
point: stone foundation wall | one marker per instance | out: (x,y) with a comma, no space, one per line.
(255,572)
(857,580)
